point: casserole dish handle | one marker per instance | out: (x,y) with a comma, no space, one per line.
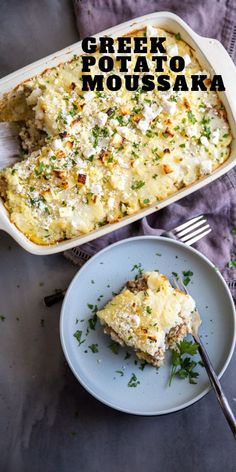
(223,65)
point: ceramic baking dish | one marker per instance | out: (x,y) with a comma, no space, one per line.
(211,55)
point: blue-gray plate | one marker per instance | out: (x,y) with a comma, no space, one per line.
(107,372)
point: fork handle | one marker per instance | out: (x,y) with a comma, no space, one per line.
(216,385)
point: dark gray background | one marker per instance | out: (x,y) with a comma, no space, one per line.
(48,422)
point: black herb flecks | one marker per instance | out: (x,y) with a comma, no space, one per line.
(133,382)
(139,268)
(114,347)
(93,348)
(127,355)
(120,372)
(93,321)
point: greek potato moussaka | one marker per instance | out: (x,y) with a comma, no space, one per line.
(92,158)
(149,315)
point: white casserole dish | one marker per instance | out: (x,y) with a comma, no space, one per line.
(211,55)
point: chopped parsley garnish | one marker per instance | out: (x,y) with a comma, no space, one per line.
(138,184)
(138,267)
(93,348)
(2,318)
(114,347)
(142,365)
(148,310)
(93,321)
(120,120)
(187,276)
(178,36)
(226,135)
(191,117)
(182,145)
(90,306)
(133,382)
(183,367)
(206,131)
(127,355)
(233,231)
(120,372)
(175,274)
(146,201)
(231,264)
(158,254)
(77,335)
(98,133)
(205,120)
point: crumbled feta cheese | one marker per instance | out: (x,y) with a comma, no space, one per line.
(33,97)
(96,189)
(204,140)
(168,106)
(39,114)
(172,50)
(113,122)
(118,181)
(215,136)
(150,113)
(135,320)
(81,163)
(88,96)
(117,100)
(124,131)
(117,139)
(123,163)
(57,144)
(65,212)
(191,130)
(89,152)
(206,167)
(101,119)
(69,119)
(143,125)
(111,202)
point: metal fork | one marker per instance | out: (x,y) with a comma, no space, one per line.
(188,233)
(191,231)
(178,283)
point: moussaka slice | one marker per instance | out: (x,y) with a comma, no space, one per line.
(149,315)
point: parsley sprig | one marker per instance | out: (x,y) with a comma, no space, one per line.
(183,367)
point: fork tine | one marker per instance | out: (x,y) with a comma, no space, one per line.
(189,222)
(194,233)
(193,240)
(190,228)
(178,283)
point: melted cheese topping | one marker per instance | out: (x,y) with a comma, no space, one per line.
(144,320)
(99,156)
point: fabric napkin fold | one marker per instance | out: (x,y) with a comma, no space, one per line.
(212,18)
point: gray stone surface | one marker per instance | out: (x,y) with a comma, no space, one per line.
(48,422)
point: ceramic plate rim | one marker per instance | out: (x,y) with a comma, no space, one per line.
(63,341)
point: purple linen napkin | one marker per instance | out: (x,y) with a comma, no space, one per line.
(212,18)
